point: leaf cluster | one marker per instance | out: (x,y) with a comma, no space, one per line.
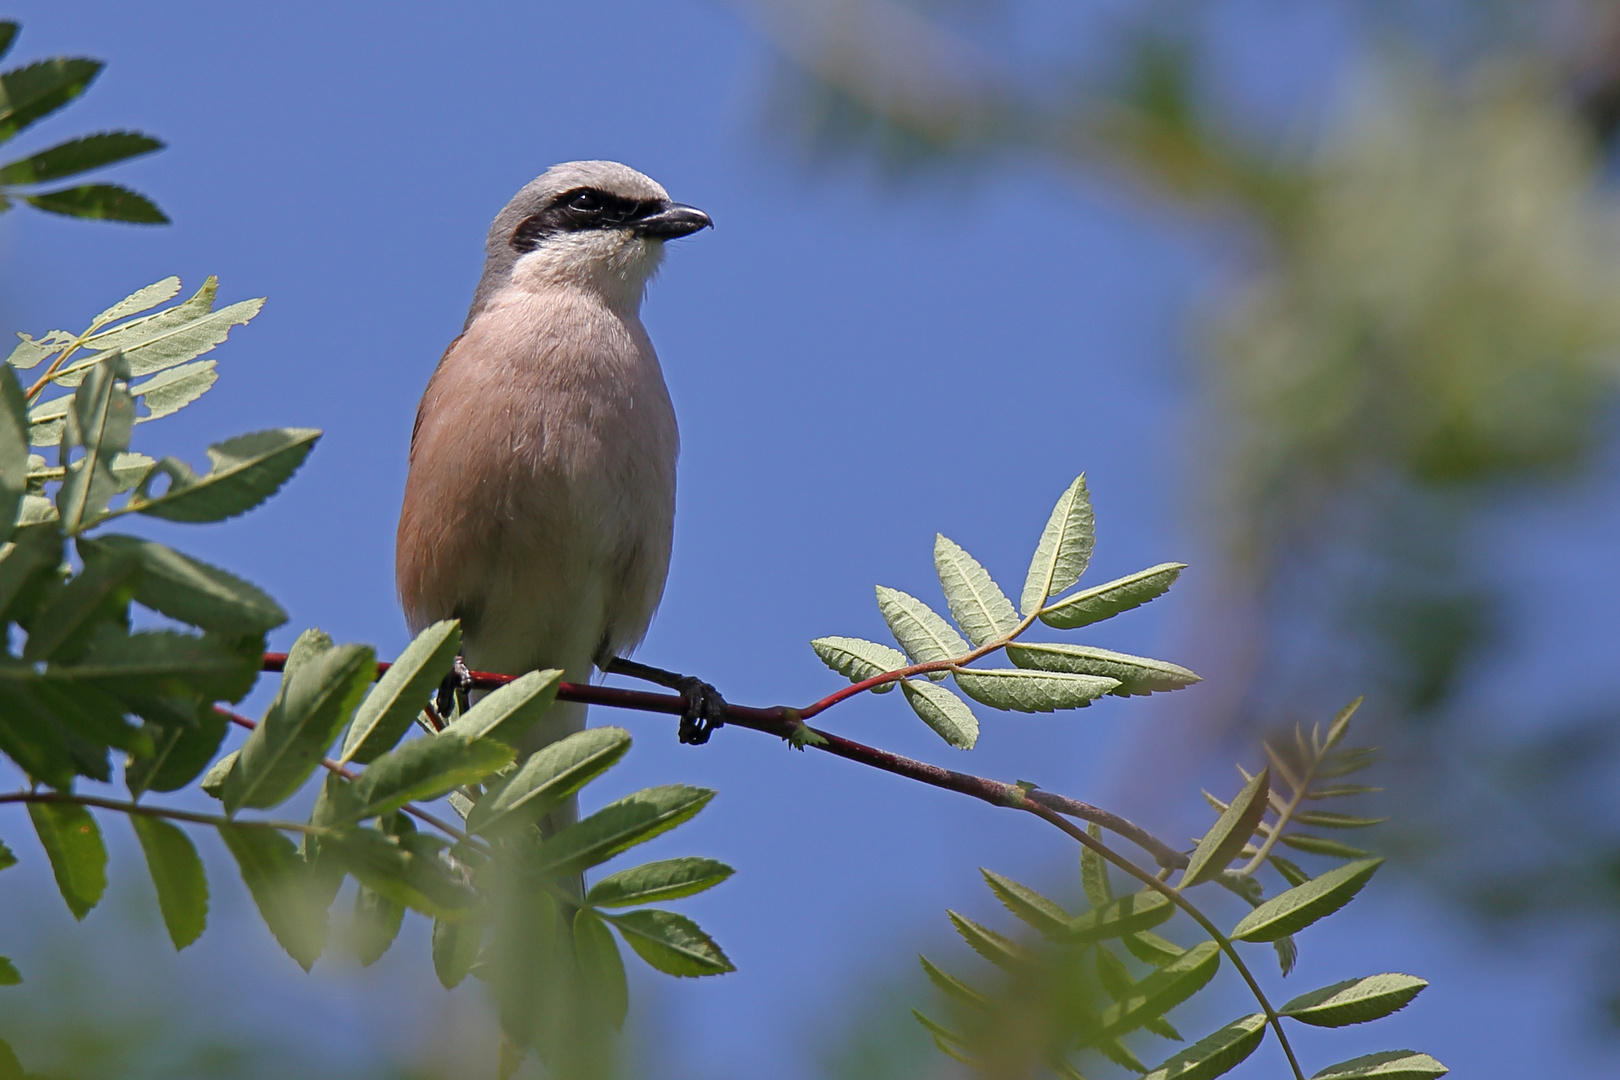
(29,94)
(1044,677)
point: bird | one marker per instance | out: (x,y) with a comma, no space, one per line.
(540,499)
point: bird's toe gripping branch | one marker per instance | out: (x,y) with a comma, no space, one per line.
(704,709)
(453,690)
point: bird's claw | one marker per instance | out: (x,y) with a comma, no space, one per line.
(453,690)
(704,710)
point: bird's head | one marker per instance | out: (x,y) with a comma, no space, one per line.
(584,224)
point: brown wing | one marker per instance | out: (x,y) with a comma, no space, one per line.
(428,391)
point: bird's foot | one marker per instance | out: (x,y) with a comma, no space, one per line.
(452,696)
(703,707)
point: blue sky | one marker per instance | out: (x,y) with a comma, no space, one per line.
(855,367)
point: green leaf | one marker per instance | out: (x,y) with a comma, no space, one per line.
(1324,819)
(377,920)
(1345,762)
(977,603)
(1355,1001)
(421,769)
(1126,915)
(391,706)
(78,858)
(31,736)
(213,781)
(671,943)
(987,943)
(1030,906)
(99,594)
(1150,948)
(177,874)
(169,391)
(1164,989)
(172,337)
(1321,845)
(505,713)
(283,888)
(33,553)
(1302,905)
(943,711)
(1290,872)
(159,663)
(601,967)
(1390,1065)
(142,299)
(8,858)
(77,156)
(1031,691)
(188,590)
(180,752)
(1135,674)
(30,93)
(407,869)
(1217,1054)
(1341,724)
(100,421)
(8,36)
(1338,791)
(1094,871)
(921,632)
(1107,600)
(654,882)
(13,450)
(858,660)
(319,690)
(455,948)
(1231,831)
(1064,549)
(245,471)
(548,777)
(952,986)
(618,827)
(100,202)
(9,976)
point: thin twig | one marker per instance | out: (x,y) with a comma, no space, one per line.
(151,810)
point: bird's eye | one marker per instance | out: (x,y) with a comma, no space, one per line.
(585,201)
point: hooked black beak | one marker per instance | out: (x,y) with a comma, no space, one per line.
(671,220)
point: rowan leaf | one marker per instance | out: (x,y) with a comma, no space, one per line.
(188,590)
(1299,907)
(1355,1001)
(977,603)
(13,450)
(987,943)
(31,93)
(1390,1065)
(1231,831)
(1322,845)
(601,967)
(1044,915)
(671,943)
(394,703)
(1135,674)
(1216,1054)
(618,827)
(78,858)
(177,874)
(421,770)
(100,202)
(953,986)
(455,948)
(77,156)
(654,882)
(505,713)
(545,779)
(245,471)
(921,631)
(1111,598)
(1064,549)
(858,660)
(1022,690)
(943,711)
(282,887)
(377,919)
(1127,915)
(1164,989)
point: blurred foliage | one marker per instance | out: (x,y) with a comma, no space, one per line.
(1418,326)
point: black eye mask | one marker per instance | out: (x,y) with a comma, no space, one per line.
(577,210)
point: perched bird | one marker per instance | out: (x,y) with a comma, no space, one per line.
(540,504)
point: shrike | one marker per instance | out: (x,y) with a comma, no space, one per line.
(540,504)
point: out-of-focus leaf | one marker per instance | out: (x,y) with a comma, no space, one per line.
(1064,549)
(33,552)
(8,858)
(1354,1001)
(858,660)
(31,352)
(921,631)
(8,36)
(100,421)
(180,752)
(213,781)
(377,920)
(1217,1054)
(1117,981)
(1231,831)
(13,450)
(421,769)
(319,689)
(103,202)
(32,738)
(1341,724)
(618,827)
(1030,906)
(1150,948)
(671,943)
(177,874)
(987,943)
(455,948)
(29,93)
(282,887)
(188,590)
(388,710)
(977,603)
(505,713)
(407,869)
(1094,871)
(1324,819)
(953,986)
(78,858)
(1109,599)
(1126,915)
(77,156)
(549,776)
(1023,690)
(1164,989)
(943,711)
(601,967)
(1322,845)
(99,594)
(9,976)
(1136,674)
(1302,905)
(651,883)
(246,471)
(1390,1065)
